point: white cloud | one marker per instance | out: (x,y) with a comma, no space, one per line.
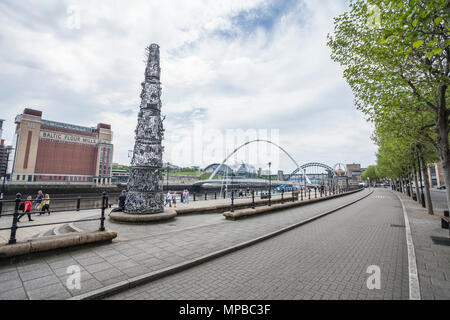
(269,73)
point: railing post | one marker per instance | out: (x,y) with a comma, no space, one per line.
(1,204)
(78,203)
(102,218)
(253,199)
(12,238)
(232,201)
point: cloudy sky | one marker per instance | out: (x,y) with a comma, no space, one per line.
(231,71)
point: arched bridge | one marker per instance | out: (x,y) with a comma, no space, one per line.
(211,177)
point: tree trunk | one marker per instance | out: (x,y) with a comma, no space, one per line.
(426,181)
(410,192)
(442,130)
(416,183)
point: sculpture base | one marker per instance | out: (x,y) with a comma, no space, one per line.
(143,218)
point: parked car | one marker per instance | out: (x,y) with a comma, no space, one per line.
(441,188)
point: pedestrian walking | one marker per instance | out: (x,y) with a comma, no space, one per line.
(182,196)
(26,209)
(46,204)
(168,199)
(174,199)
(186,196)
(38,201)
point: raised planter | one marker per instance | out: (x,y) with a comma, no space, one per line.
(48,243)
(143,218)
(242,213)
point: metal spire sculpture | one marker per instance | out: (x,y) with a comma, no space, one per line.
(145,186)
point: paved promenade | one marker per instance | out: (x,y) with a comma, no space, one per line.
(325,259)
(433,260)
(29,232)
(25,233)
(145,248)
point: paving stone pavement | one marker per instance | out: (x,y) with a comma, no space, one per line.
(325,259)
(156,248)
(433,260)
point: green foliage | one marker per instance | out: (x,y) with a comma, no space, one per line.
(398,70)
(370,174)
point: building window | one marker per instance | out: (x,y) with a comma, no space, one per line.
(18,178)
(23,177)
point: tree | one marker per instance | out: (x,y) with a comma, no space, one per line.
(370,174)
(395,56)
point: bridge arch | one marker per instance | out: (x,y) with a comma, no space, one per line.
(247,143)
(313,164)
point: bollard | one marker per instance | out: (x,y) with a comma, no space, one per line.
(194,196)
(315,193)
(309,194)
(78,203)
(282,193)
(102,217)
(301,195)
(215,195)
(12,238)
(232,201)
(1,204)
(253,199)
(270,197)
(206,196)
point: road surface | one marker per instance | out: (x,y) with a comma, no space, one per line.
(325,259)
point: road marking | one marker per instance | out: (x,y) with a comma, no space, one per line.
(414,286)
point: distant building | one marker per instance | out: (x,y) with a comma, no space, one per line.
(246,170)
(280,175)
(119,175)
(224,169)
(5,152)
(55,152)
(436,174)
(354,173)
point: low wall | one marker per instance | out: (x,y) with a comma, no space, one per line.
(43,244)
(221,208)
(243,213)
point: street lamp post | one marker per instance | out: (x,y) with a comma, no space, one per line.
(304,176)
(270,185)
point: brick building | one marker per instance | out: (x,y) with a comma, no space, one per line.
(354,172)
(55,152)
(436,174)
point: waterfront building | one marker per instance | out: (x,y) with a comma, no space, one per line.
(55,152)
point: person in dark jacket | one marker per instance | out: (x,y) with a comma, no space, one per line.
(120,202)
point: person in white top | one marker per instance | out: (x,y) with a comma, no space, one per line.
(174,199)
(168,199)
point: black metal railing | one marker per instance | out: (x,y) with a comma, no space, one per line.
(17,212)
